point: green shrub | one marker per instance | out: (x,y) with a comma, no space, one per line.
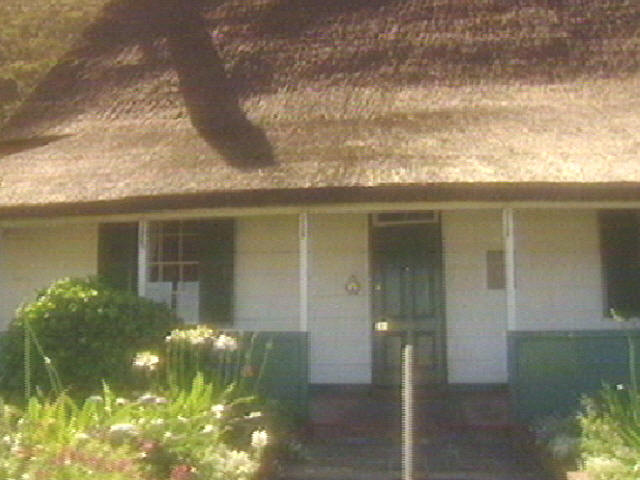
(85,331)
(610,423)
(610,441)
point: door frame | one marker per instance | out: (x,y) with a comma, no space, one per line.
(419,217)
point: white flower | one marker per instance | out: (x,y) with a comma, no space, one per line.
(194,336)
(225,342)
(217,410)
(147,398)
(237,464)
(254,415)
(150,398)
(615,316)
(121,401)
(47,361)
(259,439)
(207,428)
(95,398)
(126,428)
(620,386)
(146,361)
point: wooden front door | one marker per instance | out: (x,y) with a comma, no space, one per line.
(407,301)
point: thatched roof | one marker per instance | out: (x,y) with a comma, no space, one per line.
(172,103)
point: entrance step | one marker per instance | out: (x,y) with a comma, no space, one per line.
(343,473)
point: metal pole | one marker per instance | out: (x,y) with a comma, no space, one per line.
(407,412)
(510,266)
(143,260)
(303,273)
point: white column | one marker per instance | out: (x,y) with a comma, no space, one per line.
(510,266)
(303,246)
(143,242)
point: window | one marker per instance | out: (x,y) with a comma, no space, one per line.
(189,265)
(620,250)
(174,257)
(400,218)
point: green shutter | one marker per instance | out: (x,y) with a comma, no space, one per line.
(216,271)
(118,255)
(619,244)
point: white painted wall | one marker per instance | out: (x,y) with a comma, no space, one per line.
(558,270)
(339,324)
(267,288)
(266,273)
(33,257)
(475,316)
(557,266)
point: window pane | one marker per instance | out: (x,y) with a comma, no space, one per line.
(170,250)
(171,273)
(190,272)
(154,273)
(154,248)
(190,248)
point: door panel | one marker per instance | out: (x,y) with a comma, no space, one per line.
(407,299)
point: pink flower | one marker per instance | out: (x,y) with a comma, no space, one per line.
(182,472)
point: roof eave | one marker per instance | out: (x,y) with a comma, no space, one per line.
(443,192)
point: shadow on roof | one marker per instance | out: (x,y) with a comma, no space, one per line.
(9,147)
(213,105)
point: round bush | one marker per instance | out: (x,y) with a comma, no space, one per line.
(89,331)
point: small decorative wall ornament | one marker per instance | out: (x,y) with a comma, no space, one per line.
(352,286)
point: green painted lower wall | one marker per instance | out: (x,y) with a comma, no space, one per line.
(550,371)
(285,369)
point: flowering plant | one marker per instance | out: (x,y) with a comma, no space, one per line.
(146,361)
(223,357)
(179,437)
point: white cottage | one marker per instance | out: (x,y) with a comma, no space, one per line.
(362,173)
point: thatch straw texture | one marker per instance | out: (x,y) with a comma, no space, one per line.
(169,99)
